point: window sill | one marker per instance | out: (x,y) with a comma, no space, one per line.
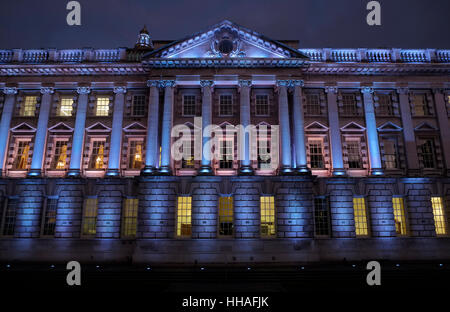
(265,172)
(94,173)
(321,172)
(55,173)
(131,172)
(357,172)
(226,172)
(17,173)
(187,172)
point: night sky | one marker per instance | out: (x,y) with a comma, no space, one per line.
(316,23)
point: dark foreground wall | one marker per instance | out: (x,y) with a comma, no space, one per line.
(155,242)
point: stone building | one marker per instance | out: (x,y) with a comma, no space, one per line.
(361,147)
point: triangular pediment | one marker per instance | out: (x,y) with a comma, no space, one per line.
(60,127)
(316,126)
(135,127)
(226,40)
(353,126)
(425,126)
(23,127)
(98,127)
(389,127)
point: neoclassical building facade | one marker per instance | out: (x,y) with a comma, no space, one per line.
(347,156)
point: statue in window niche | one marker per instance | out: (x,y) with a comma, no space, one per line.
(137,160)
(99,158)
(24,158)
(61,164)
(226,43)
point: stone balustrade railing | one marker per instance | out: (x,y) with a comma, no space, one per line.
(315,55)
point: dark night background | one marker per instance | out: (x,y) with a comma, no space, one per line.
(316,23)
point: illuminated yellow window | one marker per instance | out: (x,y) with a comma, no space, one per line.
(399,215)
(90,216)
(65,107)
(21,159)
(129,217)
(226,216)
(439,216)
(267,216)
(359,210)
(135,158)
(184,211)
(60,155)
(29,106)
(102,107)
(97,155)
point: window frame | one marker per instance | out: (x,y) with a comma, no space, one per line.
(60,106)
(232,235)
(183,104)
(366,215)
(405,215)
(45,210)
(6,203)
(177,217)
(97,100)
(269,236)
(23,108)
(133,106)
(124,218)
(443,215)
(83,217)
(17,141)
(129,155)
(231,105)
(308,105)
(328,217)
(322,154)
(91,149)
(267,97)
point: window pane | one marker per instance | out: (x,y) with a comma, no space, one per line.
(129,217)
(189,105)
(439,216)
(354,155)
(321,216)
(264,156)
(420,105)
(399,215)
(135,156)
(138,105)
(60,155)
(226,216)
(428,154)
(385,105)
(390,153)
(267,216)
(10,217)
(359,209)
(65,107)
(226,105)
(90,216)
(184,216)
(102,107)
(313,104)
(29,106)
(226,154)
(187,150)
(21,160)
(97,155)
(316,154)
(262,105)
(50,217)
(349,105)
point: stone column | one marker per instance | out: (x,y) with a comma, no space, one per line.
(409,137)
(116,133)
(372,132)
(207,86)
(78,133)
(244,146)
(444,125)
(166,127)
(285,129)
(335,132)
(41,133)
(299,129)
(5,122)
(152,149)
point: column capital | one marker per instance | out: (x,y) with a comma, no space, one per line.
(120,90)
(368,90)
(83,90)
(296,83)
(438,90)
(153,83)
(245,83)
(167,83)
(283,83)
(10,90)
(331,89)
(206,83)
(403,90)
(47,90)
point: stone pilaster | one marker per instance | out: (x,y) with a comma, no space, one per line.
(340,197)
(152,148)
(285,129)
(167,127)
(207,85)
(205,203)
(5,122)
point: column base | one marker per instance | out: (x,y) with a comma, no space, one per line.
(164,170)
(303,170)
(377,172)
(287,170)
(112,173)
(339,172)
(34,173)
(205,170)
(149,170)
(74,173)
(246,170)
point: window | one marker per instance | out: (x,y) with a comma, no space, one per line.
(29,106)
(10,217)
(439,215)
(262,105)
(399,215)
(138,105)
(97,155)
(226,154)
(428,154)
(264,157)
(129,217)
(420,105)
(189,105)
(226,216)
(349,107)
(312,104)
(59,155)
(65,107)
(226,105)
(390,154)
(316,154)
(90,217)
(354,155)
(385,106)
(21,160)
(187,150)
(50,217)
(102,107)
(321,217)
(184,210)
(135,156)
(267,228)
(359,210)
